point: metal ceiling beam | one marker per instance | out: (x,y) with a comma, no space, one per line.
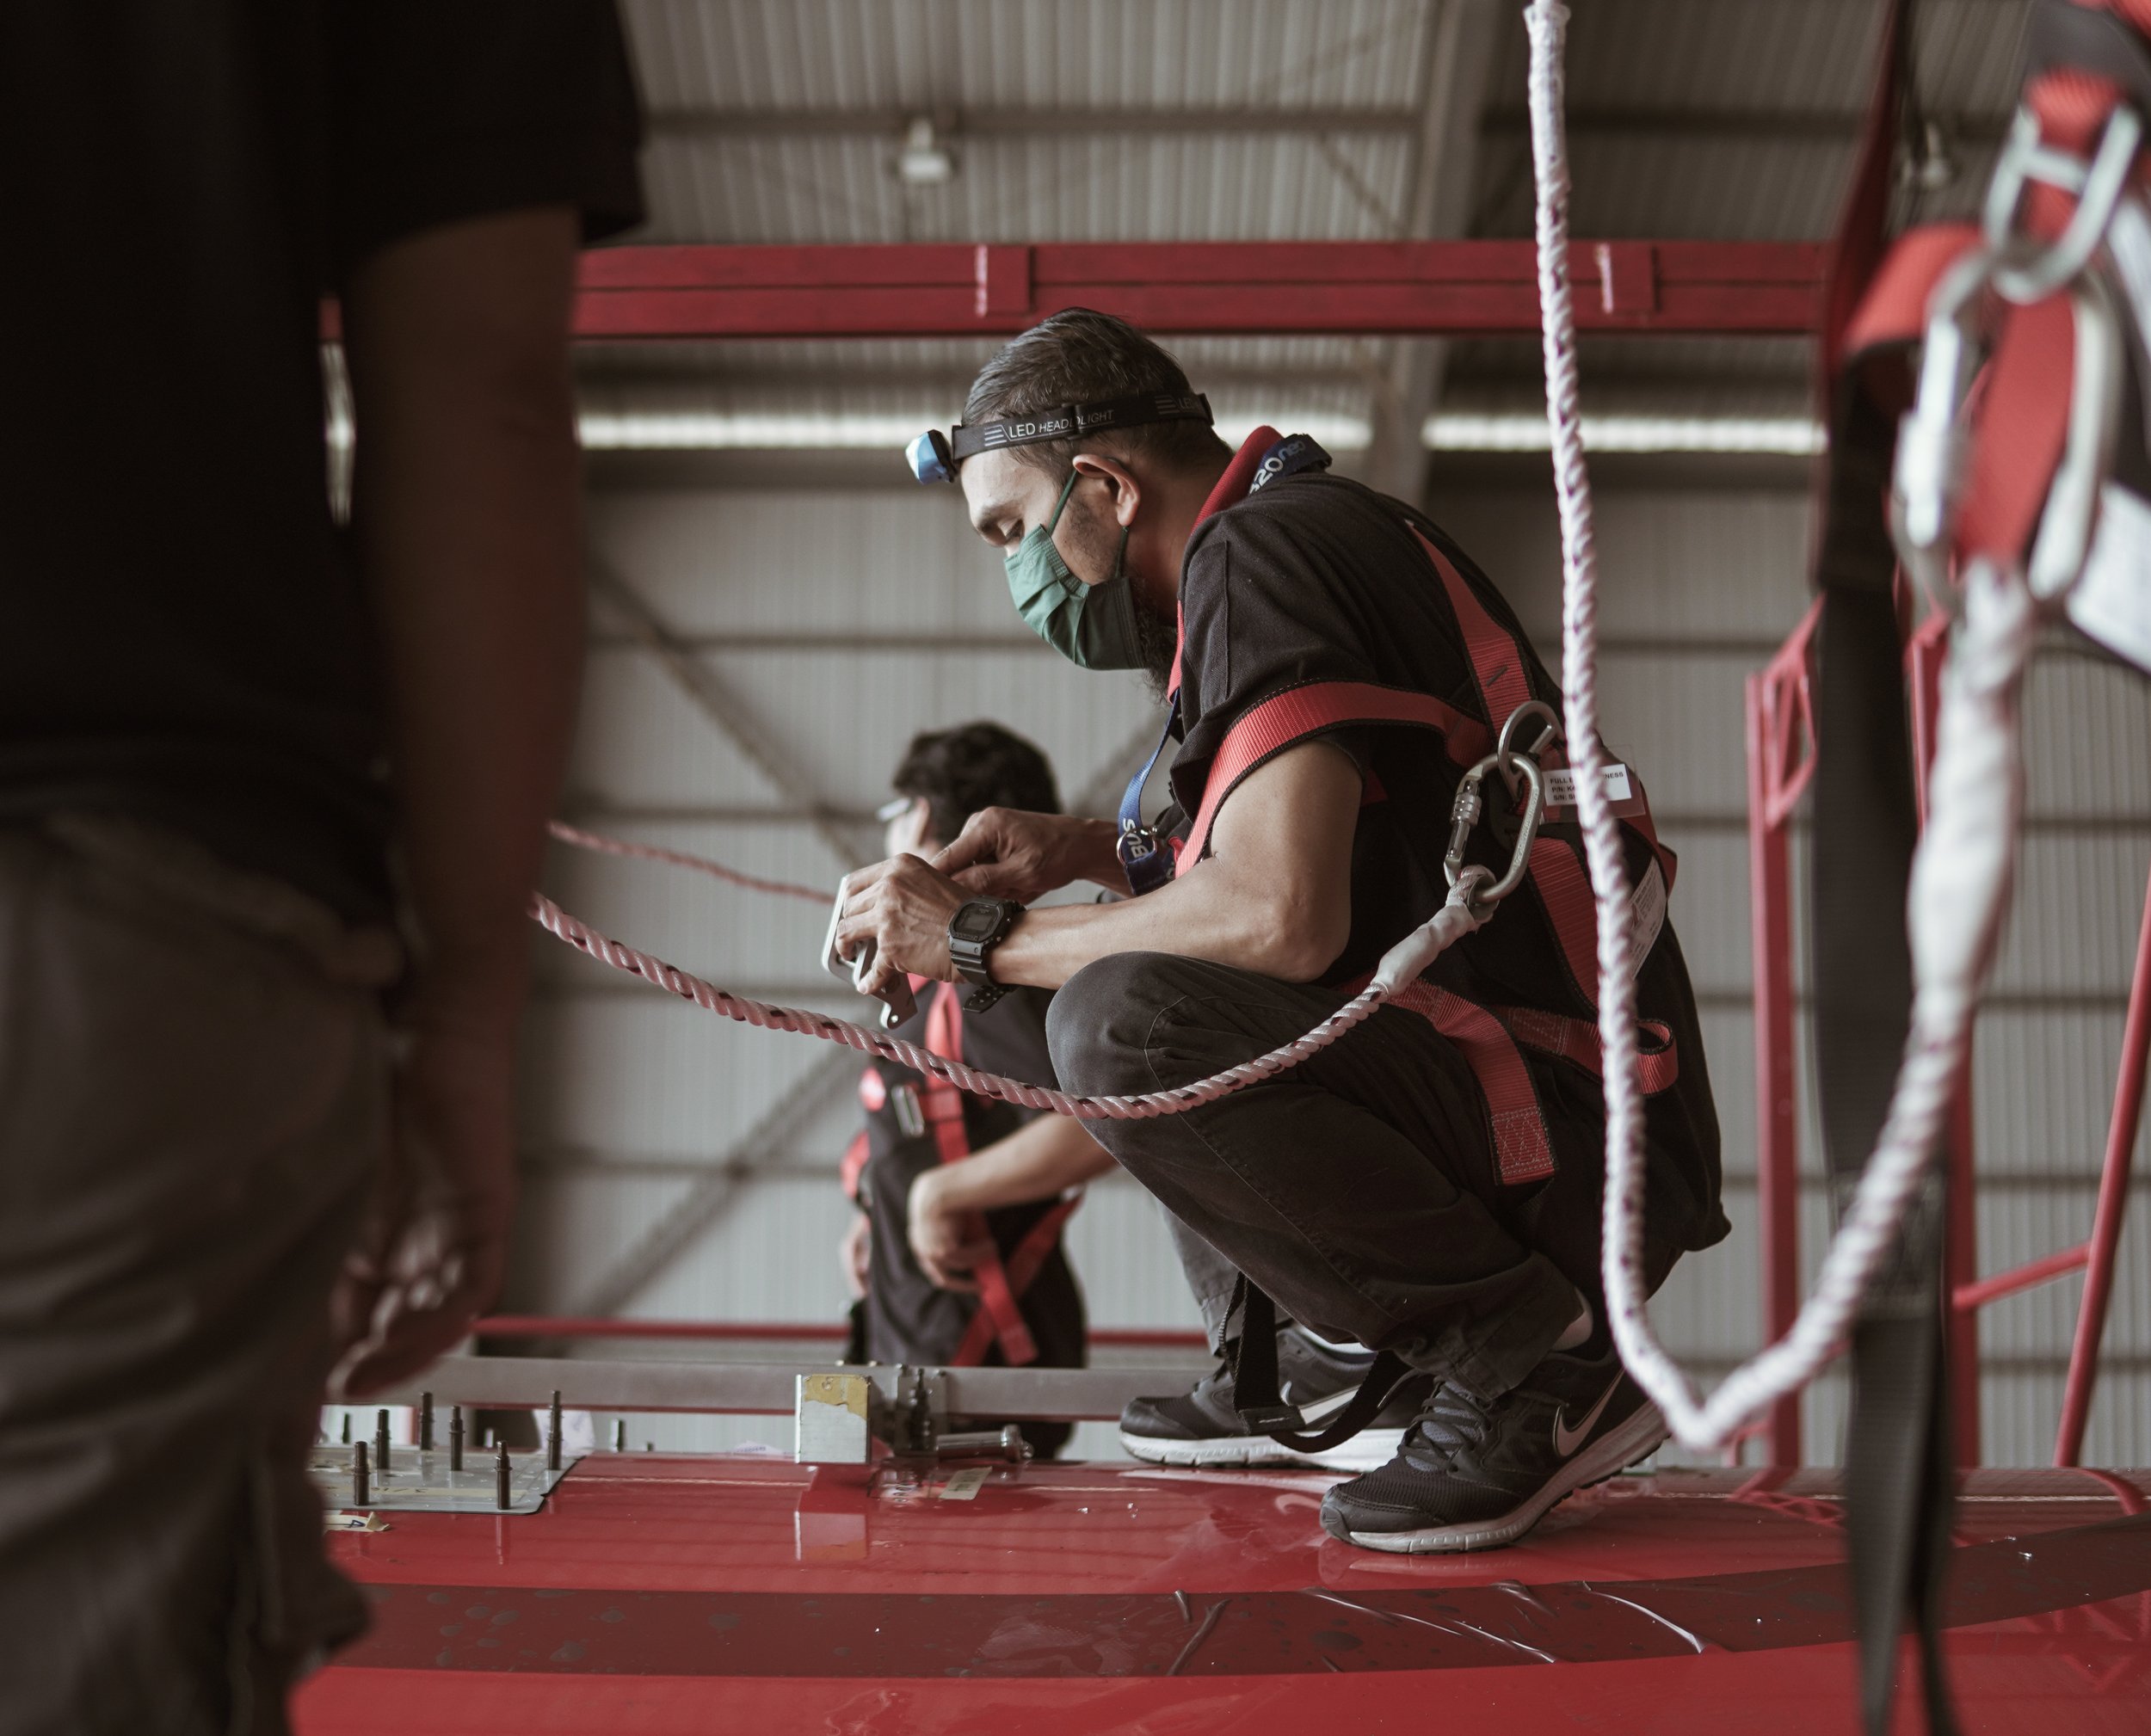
(1735,126)
(711,1196)
(712,696)
(1417,288)
(1440,204)
(954,126)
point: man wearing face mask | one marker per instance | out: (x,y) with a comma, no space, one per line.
(1429,1186)
(956,1257)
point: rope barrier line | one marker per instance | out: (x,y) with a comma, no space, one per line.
(680,859)
(1400,966)
(1961,877)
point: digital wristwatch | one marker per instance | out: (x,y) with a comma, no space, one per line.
(973,931)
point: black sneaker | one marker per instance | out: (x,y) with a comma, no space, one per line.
(1469,1477)
(1200,1427)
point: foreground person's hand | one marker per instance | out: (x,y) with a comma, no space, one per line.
(1004,853)
(902,906)
(433,1248)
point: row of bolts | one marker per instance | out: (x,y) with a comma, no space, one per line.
(360,1472)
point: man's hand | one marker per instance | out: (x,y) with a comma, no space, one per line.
(434,1247)
(1004,853)
(904,906)
(947,1241)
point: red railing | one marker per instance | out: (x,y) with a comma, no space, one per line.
(1781,752)
(775,1331)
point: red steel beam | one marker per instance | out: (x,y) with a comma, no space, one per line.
(952,290)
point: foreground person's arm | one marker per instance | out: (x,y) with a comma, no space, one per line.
(466,502)
(1274,898)
(1045,1158)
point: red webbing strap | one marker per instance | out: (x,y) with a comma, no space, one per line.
(1522,1152)
(1577,1040)
(1298,712)
(1564,890)
(2023,425)
(1894,310)
(942,1105)
(1497,661)
(854,1163)
(1024,1262)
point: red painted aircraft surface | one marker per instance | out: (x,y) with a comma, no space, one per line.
(658,1596)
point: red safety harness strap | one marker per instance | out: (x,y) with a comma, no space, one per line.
(1283,719)
(1001,1281)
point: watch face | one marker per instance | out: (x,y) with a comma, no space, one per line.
(975,921)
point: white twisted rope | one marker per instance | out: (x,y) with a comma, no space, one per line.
(1399,966)
(1960,883)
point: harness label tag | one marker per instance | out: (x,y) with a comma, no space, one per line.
(1561,788)
(2111,602)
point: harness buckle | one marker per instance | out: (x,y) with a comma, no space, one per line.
(2027,270)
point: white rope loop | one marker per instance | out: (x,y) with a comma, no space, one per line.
(1960,878)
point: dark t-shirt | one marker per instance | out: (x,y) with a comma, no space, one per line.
(1315,579)
(908,1318)
(186,640)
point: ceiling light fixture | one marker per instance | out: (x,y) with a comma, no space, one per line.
(925,159)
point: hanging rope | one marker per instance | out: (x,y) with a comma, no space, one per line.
(1960,885)
(680,859)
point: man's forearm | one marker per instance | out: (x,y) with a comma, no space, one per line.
(1040,1159)
(467,505)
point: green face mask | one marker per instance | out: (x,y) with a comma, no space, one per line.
(1092,625)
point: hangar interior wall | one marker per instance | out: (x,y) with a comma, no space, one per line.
(679,1166)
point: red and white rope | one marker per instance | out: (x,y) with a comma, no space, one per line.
(1960,884)
(680,859)
(1400,966)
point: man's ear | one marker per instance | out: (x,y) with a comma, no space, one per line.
(1124,490)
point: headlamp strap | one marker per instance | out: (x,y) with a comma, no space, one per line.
(1070,421)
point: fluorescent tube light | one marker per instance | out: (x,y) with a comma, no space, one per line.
(1526,431)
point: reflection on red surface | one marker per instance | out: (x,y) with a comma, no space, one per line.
(676,1594)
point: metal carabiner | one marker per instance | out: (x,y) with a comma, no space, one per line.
(2063,542)
(1505,749)
(2026,271)
(1933,441)
(1465,815)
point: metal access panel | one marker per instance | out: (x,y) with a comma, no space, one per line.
(418,1480)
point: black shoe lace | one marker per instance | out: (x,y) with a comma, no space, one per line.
(1448,1423)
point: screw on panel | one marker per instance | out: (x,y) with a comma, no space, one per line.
(552,1435)
(455,1438)
(359,1491)
(425,1422)
(501,1494)
(380,1442)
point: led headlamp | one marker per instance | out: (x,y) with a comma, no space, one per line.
(933,456)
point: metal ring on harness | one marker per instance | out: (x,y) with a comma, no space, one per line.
(2026,276)
(1504,749)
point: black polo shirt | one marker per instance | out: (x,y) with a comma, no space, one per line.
(186,640)
(1315,578)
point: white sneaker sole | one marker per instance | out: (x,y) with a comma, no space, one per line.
(1368,1450)
(1638,1438)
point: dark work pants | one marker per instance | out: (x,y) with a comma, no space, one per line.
(1359,1189)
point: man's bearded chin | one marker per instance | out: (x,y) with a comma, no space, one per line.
(1158,637)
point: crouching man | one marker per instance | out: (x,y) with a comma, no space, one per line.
(956,1257)
(1430,1186)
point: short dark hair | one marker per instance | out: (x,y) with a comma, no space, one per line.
(1081,356)
(957,772)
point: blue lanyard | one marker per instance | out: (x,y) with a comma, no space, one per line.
(1146,857)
